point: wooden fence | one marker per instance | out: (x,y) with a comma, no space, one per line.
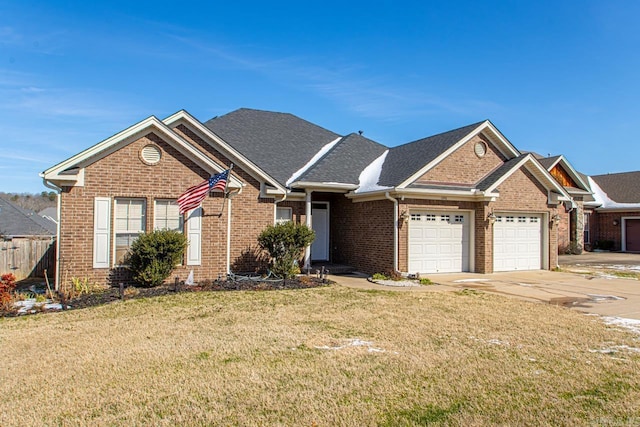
(28,258)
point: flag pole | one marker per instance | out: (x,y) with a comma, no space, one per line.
(224,192)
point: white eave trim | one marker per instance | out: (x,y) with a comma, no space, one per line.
(574,174)
(328,186)
(109,145)
(184,117)
(504,146)
(551,184)
(424,193)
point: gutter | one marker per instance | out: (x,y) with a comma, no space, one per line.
(58,191)
(395,230)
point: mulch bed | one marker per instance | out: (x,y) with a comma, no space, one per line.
(114,294)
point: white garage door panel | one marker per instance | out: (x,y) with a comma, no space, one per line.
(517,242)
(438,242)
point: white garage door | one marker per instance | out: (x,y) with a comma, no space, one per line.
(517,242)
(438,242)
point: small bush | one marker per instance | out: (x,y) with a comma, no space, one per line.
(7,285)
(380,276)
(284,243)
(425,281)
(154,255)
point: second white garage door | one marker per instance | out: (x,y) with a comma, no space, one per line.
(517,242)
(439,242)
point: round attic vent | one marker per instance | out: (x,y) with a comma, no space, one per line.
(480,149)
(151,154)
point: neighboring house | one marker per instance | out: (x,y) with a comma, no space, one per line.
(463,200)
(614,222)
(26,241)
(572,237)
(50,213)
(19,223)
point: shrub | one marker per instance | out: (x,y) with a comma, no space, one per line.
(7,285)
(154,255)
(284,243)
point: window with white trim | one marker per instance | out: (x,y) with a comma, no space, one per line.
(458,218)
(130,219)
(167,216)
(586,229)
(416,217)
(283,215)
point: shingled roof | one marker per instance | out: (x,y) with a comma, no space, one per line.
(18,222)
(620,187)
(407,159)
(345,161)
(278,143)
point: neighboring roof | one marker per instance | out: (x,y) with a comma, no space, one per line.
(18,222)
(278,143)
(344,163)
(547,162)
(49,213)
(405,160)
(619,187)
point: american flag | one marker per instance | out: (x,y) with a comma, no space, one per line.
(192,198)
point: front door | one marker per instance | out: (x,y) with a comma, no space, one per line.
(632,235)
(320,225)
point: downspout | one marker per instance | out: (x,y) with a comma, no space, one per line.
(58,191)
(275,206)
(307,250)
(395,230)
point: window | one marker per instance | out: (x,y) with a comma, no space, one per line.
(129,222)
(429,217)
(533,219)
(445,218)
(510,219)
(283,215)
(586,229)
(167,216)
(522,219)
(416,217)
(458,218)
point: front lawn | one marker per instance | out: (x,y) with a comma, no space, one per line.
(322,356)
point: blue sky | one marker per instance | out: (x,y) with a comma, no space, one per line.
(556,77)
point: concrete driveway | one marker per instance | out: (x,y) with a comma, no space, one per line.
(588,283)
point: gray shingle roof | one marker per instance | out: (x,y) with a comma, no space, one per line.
(345,161)
(620,187)
(405,160)
(502,170)
(546,162)
(18,222)
(278,143)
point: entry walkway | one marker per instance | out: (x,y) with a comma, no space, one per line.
(605,296)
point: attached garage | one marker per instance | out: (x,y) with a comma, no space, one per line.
(439,242)
(517,242)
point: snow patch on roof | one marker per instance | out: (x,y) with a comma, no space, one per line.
(370,176)
(324,150)
(605,201)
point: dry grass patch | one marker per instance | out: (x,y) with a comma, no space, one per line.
(325,356)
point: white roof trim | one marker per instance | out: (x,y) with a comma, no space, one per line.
(227,149)
(505,148)
(127,136)
(574,174)
(528,159)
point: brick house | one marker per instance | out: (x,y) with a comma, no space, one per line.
(613,218)
(571,226)
(463,200)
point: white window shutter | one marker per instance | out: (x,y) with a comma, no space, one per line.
(101,231)
(194,235)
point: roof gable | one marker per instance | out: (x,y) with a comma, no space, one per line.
(564,173)
(406,163)
(281,144)
(71,171)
